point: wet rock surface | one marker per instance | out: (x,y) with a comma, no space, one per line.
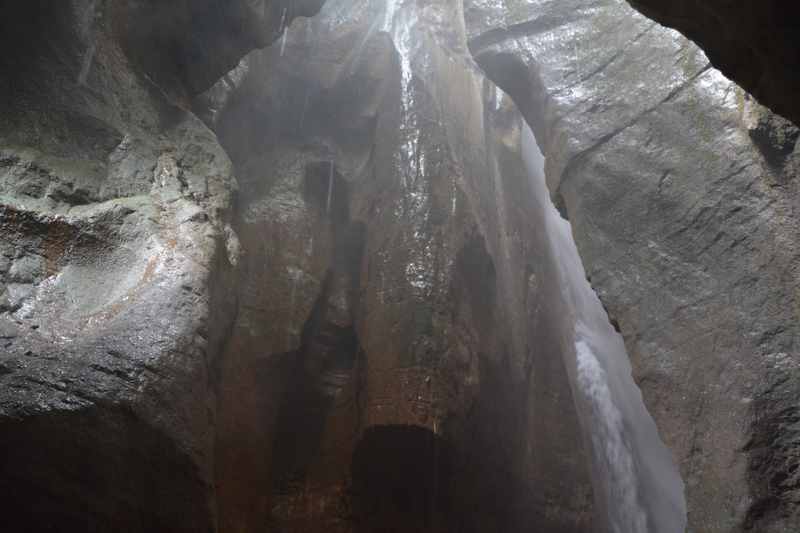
(113,209)
(754,44)
(393,344)
(357,332)
(185,47)
(185,351)
(681,192)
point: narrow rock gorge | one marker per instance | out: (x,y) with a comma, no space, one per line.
(397,265)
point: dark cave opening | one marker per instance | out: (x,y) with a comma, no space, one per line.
(401,479)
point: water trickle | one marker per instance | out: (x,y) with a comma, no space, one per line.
(285,31)
(400,20)
(635,479)
(304,109)
(86,66)
(88,55)
(283,19)
(330,189)
(294,274)
(283,41)
(454,201)
(293,295)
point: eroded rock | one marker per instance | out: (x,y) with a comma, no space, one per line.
(111,310)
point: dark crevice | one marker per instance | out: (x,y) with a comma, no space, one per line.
(97,469)
(401,481)
(325,188)
(773,455)
(322,376)
(319,371)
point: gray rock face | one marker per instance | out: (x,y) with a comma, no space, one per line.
(113,208)
(755,44)
(680,190)
(185,47)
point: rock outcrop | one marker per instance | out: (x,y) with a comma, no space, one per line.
(754,43)
(681,192)
(185,47)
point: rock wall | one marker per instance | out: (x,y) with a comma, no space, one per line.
(116,266)
(754,44)
(362,314)
(395,361)
(357,331)
(681,191)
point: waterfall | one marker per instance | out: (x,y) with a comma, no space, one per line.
(635,479)
(637,486)
(400,21)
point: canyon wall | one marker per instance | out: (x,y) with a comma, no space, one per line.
(395,361)
(682,197)
(360,313)
(310,289)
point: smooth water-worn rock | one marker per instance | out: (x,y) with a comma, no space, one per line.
(185,47)
(681,194)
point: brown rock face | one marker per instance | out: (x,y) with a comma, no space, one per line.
(394,365)
(754,43)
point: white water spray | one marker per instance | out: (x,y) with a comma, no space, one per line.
(285,31)
(400,19)
(635,479)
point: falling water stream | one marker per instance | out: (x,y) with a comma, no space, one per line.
(634,476)
(285,30)
(330,188)
(637,486)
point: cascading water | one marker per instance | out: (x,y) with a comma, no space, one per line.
(637,486)
(634,476)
